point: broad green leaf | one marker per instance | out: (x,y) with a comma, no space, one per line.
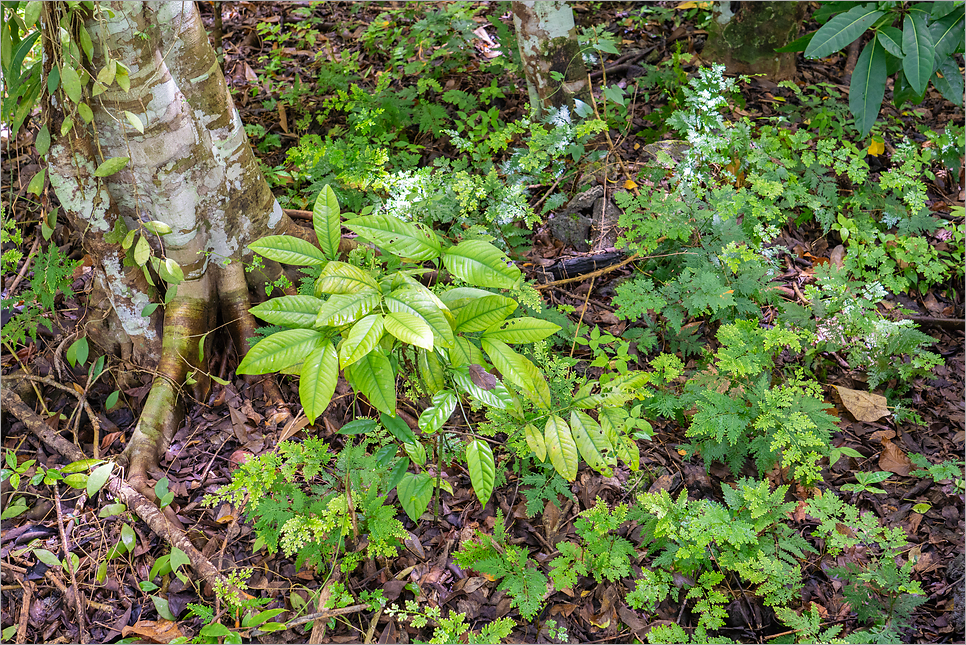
(479,461)
(128,240)
(288,250)
(85,112)
(327,222)
(128,537)
(80,466)
(918,47)
(70,81)
(591,442)
(949,81)
(497,397)
(85,42)
(171,271)
(294,311)
(430,370)
(31,12)
(483,313)
(414,492)
(42,142)
(362,339)
(212,631)
(65,127)
(520,370)
(372,375)
(157,227)
(402,281)
(397,427)
(98,478)
(400,238)
(358,426)
(460,296)
(868,86)
(948,35)
(110,510)
(134,120)
(410,328)
(341,310)
(341,278)
(840,31)
(47,558)
(412,301)
(280,350)
(142,251)
(263,616)
(561,447)
(481,264)
(77,352)
(317,380)
(101,574)
(416,452)
(435,417)
(536,442)
(161,605)
(629,453)
(111,166)
(522,330)
(463,352)
(122,75)
(891,40)
(106,75)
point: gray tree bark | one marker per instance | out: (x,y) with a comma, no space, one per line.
(743,37)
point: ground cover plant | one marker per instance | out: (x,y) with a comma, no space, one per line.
(737,418)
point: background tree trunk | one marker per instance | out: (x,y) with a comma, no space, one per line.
(743,37)
(192,168)
(548,43)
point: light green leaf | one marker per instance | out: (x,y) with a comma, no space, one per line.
(98,478)
(157,227)
(122,76)
(410,329)
(434,417)
(522,330)
(400,238)
(85,112)
(430,370)
(111,166)
(212,631)
(288,250)
(341,310)
(918,46)
(31,12)
(161,605)
(327,222)
(66,126)
(414,492)
(170,271)
(70,81)
(372,375)
(535,441)
(341,278)
(520,370)
(128,240)
(868,86)
(412,301)
(85,42)
(128,537)
(483,313)
(416,452)
(317,380)
(134,120)
(280,350)
(80,465)
(479,461)
(481,264)
(293,311)
(591,442)
(142,251)
(362,339)
(629,453)
(110,510)
(561,447)
(42,142)
(840,31)
(463,352)
(36,184)
(101,574)
(106,75)
(47,558)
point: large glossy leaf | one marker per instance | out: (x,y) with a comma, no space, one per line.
(463,352)
(481,264)
(431,370)
(520,370)
(414,492)
(400,238)
(415,302)
(949,81)
(398,428)
(522,330)
(918,47)
(410,328)
(629,453)
(327,223)
(341,310)
(342,278)
(479,461)
(372,375)
(496,397)
(840,31)
(317,380)
(71,83)
(561,447)
(596,450)
(280,350)
(361,339)
(460,296)
(868,86)
(288,250)
(435,416)
(891,40)
(948,35)
(535,441)
(483,313)
(294,311)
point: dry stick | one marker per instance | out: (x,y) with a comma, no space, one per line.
(592,274)
(297,214)
(75,588)
(126,493)
(582,312)
(321,616)
(28,592)
(372,626)
(23,269)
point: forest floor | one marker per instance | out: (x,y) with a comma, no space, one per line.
(237,420)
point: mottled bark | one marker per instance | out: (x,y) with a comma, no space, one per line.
(743,37)
(548,43)
(191,168)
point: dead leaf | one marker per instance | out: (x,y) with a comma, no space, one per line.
(161,631)
(863,406)
(837,257)
(238,419)
(293,427)
(893,459)
(482,378)
(250,74)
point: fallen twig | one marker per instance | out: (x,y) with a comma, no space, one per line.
(592,274)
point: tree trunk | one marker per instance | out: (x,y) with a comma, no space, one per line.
(548,44)
(743,37)
(192,168)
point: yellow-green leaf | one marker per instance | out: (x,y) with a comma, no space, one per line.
(341,310)
(362,339)
(535,441)
(111,166)
(520,370)
(37,182)
(70,81)
(410,329)
(327,222)
(372,375)
(341,278)
(134,120)
(479,461)
(591,442)
(85,112)
(142,251)
(317,380)
(279,351)
(561,447)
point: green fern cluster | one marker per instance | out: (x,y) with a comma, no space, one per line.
(600,553)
